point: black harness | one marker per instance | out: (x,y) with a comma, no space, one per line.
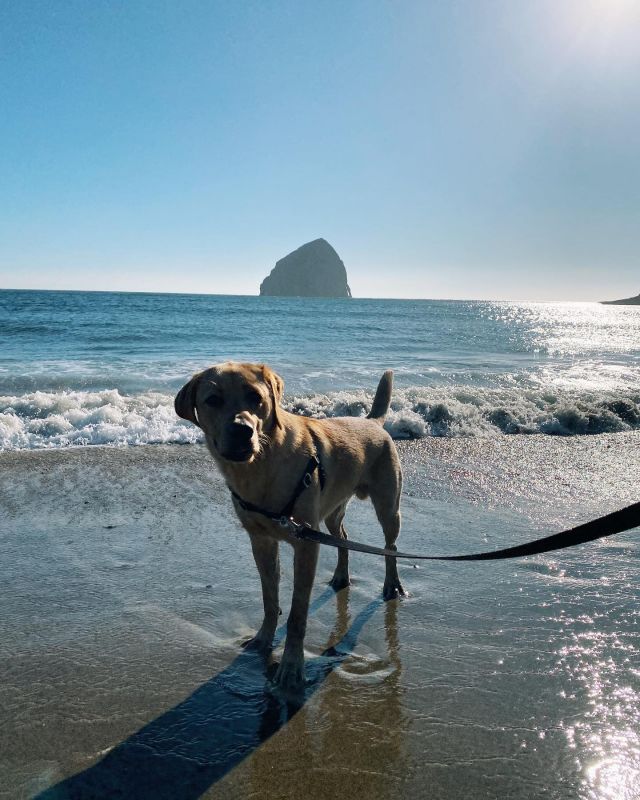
(284,516)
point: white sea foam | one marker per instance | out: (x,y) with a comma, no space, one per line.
(472,411)
(61,419)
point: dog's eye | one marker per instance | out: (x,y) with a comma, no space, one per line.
(254,398)
(214,400)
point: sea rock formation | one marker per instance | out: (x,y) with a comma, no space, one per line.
(628,301)
(313,270)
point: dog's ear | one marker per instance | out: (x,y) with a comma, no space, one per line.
(276,389)
(185,402)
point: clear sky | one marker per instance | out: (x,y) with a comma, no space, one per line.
(472,149)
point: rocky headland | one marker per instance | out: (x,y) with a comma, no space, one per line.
(313,270)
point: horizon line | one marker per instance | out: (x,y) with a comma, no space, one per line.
(300,297)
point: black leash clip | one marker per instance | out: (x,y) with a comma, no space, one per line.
(295,527)
(298,529)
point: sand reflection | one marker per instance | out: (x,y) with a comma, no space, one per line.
(352,735)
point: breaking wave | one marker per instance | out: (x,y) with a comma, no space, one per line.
(39,420)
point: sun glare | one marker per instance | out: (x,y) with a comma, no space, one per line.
(610,28)
(611,11)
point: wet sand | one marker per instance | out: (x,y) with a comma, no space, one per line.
(128,587)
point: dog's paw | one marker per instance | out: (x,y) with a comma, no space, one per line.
(290,673)
(260,643)
(393,589)
(339,582)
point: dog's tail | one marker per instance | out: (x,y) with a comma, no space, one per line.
(382,399)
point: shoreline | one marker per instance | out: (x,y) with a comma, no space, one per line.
(477,469)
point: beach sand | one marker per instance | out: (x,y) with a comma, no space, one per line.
(128,587)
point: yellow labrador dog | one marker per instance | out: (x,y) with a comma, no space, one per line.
(276,462)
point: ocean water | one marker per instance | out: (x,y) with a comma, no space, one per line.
(83,368)
(129,586)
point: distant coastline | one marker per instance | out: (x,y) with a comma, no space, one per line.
(627,301)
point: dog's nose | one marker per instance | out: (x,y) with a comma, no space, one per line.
(241,431)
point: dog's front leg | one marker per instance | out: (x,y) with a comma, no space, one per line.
(290,674)
(265,553)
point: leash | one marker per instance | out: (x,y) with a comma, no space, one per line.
(623,520)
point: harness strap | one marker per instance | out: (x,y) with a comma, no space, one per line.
(303,483)
(284,516)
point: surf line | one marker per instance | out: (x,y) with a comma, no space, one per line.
(623,520)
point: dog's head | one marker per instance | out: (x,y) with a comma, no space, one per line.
(234,404)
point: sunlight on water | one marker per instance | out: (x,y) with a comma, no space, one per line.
(606,738)
(570,329)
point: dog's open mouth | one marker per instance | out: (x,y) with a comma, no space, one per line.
(244,454)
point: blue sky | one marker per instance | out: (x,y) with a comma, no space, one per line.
(477,149)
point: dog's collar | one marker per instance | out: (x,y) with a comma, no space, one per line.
(284,516)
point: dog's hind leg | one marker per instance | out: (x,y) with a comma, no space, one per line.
(391,527)
(385,495)
(335,526)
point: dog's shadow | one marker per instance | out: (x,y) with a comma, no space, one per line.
(182,753)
